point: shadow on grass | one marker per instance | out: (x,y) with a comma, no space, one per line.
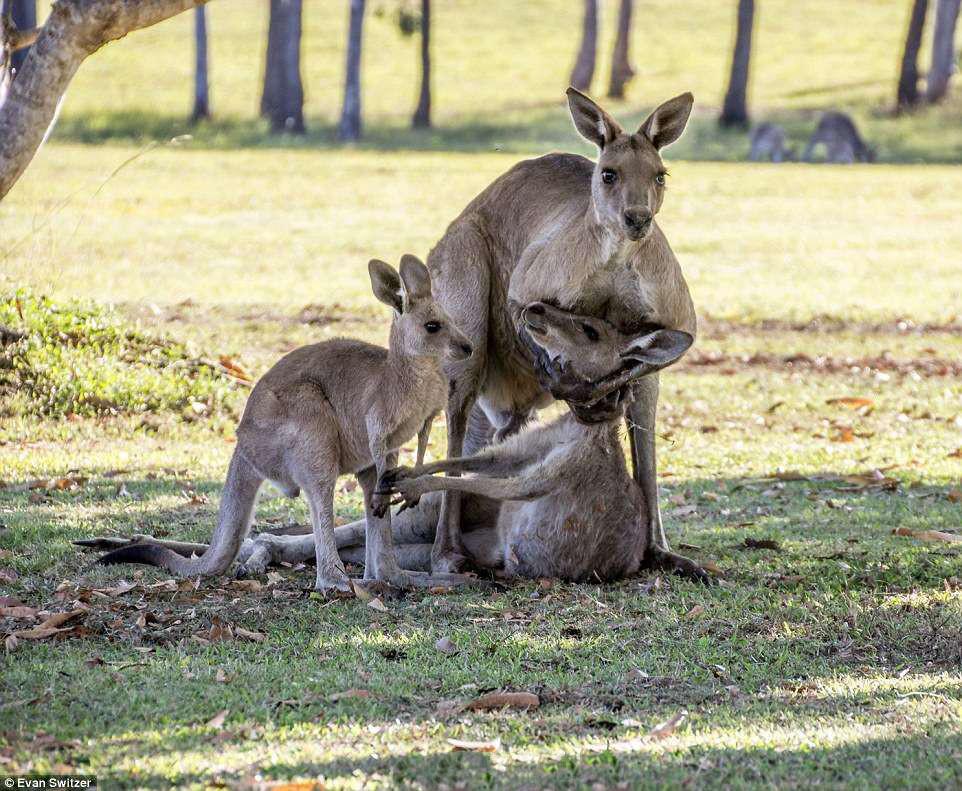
(531,130)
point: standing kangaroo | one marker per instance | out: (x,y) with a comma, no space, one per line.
(342,406)
(571,510)
(768,143)
(580,235)
(843,144)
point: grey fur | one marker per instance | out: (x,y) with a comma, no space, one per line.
(768,144)
(843,144)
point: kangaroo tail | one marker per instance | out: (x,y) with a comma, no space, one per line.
(233,522)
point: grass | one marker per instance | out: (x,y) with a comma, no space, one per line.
(832,660)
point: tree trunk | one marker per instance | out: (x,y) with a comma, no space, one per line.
(621,69)
(943,50)
(74,30)
(283,98)
(735,108)
(24,15)
(349,127)
(422,115)
(907,95)
(201,83)
(584,70)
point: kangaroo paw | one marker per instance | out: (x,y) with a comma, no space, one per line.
(450,562)
(663,560)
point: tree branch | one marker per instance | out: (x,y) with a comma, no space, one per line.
(74,30)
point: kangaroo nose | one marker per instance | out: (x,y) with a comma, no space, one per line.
(536,308)
(637,220)
(466,348)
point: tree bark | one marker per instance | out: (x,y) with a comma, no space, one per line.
(621,68)
(349,127)
(24,15)
(943,50)
(735,108)
(283,98)
(907,95)
(74,30)
(584,68)
(422,114)
(201,83)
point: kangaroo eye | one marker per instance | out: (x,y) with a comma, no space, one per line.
(609,176)
(660,179)
(590,332)
(433,326)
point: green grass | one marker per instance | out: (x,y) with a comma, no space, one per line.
(833,661)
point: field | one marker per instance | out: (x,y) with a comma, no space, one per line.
(819,412)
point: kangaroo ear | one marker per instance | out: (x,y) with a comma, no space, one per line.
(385,283)
(658,349)
(592,123)
(665,125)
(415,279)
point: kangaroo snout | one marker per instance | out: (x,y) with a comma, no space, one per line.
(637,222)
(460,349)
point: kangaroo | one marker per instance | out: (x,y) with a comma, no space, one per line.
(579,235)
(768,144)
(843,144)
(342,406)
(571,508)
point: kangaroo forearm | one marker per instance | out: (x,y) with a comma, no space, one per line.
(515,488)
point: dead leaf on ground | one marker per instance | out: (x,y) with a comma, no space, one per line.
(844,434)
(251,586)
(761,543)
(8,576)
(349,693)
(274,577)
(234,369)
(10,643)
(246,634)
(217,721)
(445,646)
(51,626)
(503,700)
(478,747)
(927,535)
(219,632)
(695,611)
(665,729)
(377,604)
(954,496)
(955,454)
(852,402)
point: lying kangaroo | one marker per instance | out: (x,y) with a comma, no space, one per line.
(843,144)
(768,144)
(342,406)
(580,235)
(572,511)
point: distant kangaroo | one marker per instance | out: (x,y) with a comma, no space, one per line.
(579,235)
(342,406)
(571,510)
(843,144)
(768,144)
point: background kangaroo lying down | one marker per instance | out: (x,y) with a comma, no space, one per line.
(343,406)
(571,509)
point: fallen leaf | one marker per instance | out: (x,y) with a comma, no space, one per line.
(851,402)
(665,729)
(762,543)
(120,589)
(8,576)
(927,535)
(221,677)
(377,604)
(845,434)
(478,747)
(10,643)
(350,693)
(250,586)
(274,577)
(954,496)
(234,369)
(254,637)
(501,700)
(955,454)
(695,611)
(445,646)
(217,721)
(219,632)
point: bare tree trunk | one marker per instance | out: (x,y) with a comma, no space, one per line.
(943,50)
(201,83)
(74,30)
(24,15)
(422,115)
(584,69)
(735,108)
(283,98)
(907,95)
(349,127)
(621,69)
